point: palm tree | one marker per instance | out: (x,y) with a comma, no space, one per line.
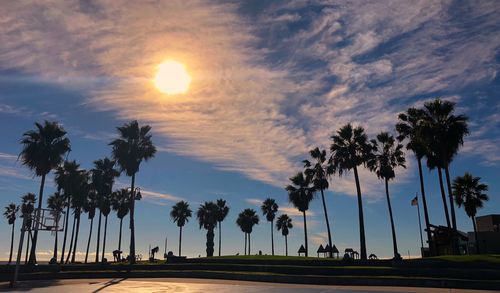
(89,206)
(246,220)
(133,146)
(105,208)
(350,149)
(222,212)
(78,198)
(471,194)
(56,204)
(10,214)
(300,194)
(121,204)
(43,150)
(103,179)
(180,214)
(447,132)
(388,154)
(207,218)
(28,202)
(284,224)
(269,209)
(409,128)
(316,172)
(66,178)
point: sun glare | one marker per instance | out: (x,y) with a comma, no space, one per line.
(172,78)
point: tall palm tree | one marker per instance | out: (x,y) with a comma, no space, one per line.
(409,128)
(240,221)
(66,179)
(180,214)
(78,199)
(388,154)
(56,203)
(246,220)
(133,146)
(43,150)
(284,224)
(121,204)
(300,194)
(28,202)
(316,171)
(350,149)
(10,214)
(207,218)
(470,193)
(105,208)
(103,179)
(90,206)
(447,132)
(222,211)
(269,209)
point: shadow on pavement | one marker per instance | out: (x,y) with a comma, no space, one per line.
(108,284)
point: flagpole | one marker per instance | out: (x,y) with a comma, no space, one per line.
(419,223)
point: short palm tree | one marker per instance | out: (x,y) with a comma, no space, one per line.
(90,206)
(10,214)
(180,214)
(28,202)
(56,203)
(105,208)
(79,196)
(240,221)
(207,218)
(470,193)
(300,194)
(269,209)
(316,171)
(43,150)
(246,220)
(409,128)
(284,224)
(121,204)
(133,146)
(388,154)
(350,148)
(222,211)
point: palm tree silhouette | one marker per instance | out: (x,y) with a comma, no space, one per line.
(470,193)
(121,204)
(222,212)
(284,224)
(409,128)
(246,220)
(105,208)
(10,214)
(350,149)
(78,198)
(133,146)
(90,206)
(388,154)
(269,208)
(300,194)
(316,172)
(240,221)
(180,214)
(207,218)
(103,178)
(56,204)
(447,132)
(43,150)
(28,202)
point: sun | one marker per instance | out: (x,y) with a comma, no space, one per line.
(172,78)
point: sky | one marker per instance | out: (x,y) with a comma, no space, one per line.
(270,81)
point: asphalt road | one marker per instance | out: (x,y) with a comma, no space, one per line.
(197,285)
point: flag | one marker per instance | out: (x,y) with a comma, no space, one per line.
(414,201)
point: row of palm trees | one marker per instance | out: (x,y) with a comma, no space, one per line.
(432,132)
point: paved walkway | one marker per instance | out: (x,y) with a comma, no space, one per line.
(198,285)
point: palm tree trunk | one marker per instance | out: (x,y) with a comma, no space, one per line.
(27,247)
(362,238)
(180,240)
(272,239)
(475,235)
(305,233)
(249,243)
(11,243)
(35,236)
(76,237)
(88,242)
(327,223)
(120,240)
(104,237)
(450,195)
(99,237)
(132,224)
(55,246)
(443,196)
(394,241)
(220,232)
(426,213)
(65,230)
(245,243)
(71,241)
(286,245)
(210,242)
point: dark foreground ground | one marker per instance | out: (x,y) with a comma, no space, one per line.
(469,272)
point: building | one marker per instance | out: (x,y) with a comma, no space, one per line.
(488,232)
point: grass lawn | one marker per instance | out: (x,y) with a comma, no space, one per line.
(493,258)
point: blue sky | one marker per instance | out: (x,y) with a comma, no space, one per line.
(270,80)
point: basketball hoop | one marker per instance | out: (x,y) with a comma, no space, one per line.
(48,221)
